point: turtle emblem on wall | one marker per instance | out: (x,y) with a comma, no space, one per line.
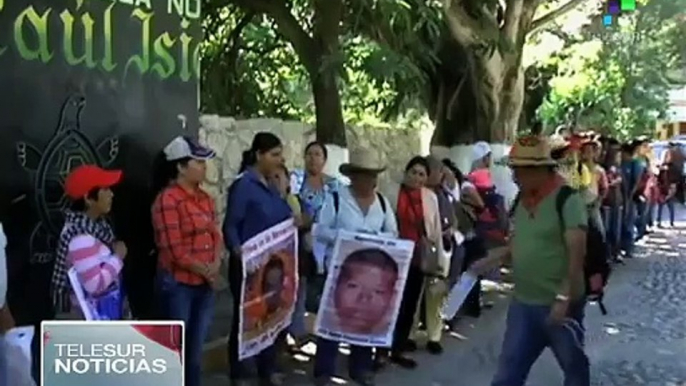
(68,148)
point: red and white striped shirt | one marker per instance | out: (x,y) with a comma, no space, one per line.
(96,266)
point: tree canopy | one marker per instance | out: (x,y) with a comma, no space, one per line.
(616,78)
(459,62)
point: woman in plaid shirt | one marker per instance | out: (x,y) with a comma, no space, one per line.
(189,245)
(253,206)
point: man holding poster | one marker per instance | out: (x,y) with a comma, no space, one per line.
(358,208)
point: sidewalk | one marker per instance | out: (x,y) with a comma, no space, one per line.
(642,342)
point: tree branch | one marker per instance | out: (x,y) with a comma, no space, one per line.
(327,21)
(554,14)
(287,25)
(513,13)
(464,28)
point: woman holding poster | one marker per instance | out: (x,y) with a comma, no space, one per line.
(356,208)
(253,207)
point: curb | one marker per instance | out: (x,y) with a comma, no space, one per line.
(215,355)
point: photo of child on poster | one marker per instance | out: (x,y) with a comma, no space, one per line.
(363,289)
(269,287)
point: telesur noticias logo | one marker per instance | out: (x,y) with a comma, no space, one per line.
(110,358)
(115,353)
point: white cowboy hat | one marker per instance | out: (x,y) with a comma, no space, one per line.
(531,151)
(362,160)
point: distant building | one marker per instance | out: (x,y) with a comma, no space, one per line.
(675,124)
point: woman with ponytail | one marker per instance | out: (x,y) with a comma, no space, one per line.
(253,206)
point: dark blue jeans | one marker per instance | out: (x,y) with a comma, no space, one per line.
(528,333)
(194,304)
(360,362)
(641,220)
(628,228)
(613,227)
(670,207)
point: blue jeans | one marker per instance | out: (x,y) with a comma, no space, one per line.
(670,207)
(641,220)
(628,226)
(297,328)
(528,333)
(360,362)
(194,304)
(613,227)
(4,371)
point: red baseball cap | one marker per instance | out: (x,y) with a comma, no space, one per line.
(85,178)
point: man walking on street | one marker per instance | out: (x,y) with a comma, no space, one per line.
(547,253)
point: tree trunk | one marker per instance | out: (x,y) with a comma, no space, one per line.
(330,126)
(487,106)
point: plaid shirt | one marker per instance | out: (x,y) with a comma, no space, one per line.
(186,231)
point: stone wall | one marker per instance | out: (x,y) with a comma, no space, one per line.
(230,137)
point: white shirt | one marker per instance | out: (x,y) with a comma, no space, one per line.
(3,267)
(350,218)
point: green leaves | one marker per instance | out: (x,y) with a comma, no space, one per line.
(620,86)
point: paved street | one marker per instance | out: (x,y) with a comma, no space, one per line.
(641,342)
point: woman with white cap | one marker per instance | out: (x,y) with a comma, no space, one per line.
(355,208)
(189,244)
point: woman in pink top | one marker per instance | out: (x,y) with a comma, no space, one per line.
(87,244)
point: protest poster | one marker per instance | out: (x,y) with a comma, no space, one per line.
(106,306)
(458,294)
(269,288)
(112,353)
(363,289)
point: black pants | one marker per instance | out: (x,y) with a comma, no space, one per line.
(474,250)
(408,308)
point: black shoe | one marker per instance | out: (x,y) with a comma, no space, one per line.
(365,380)
(410,346)
(434,348)
(380,362)
(403,361)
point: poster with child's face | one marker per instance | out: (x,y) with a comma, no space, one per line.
(269,287)
(364,289)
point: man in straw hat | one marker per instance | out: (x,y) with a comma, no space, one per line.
(356,208)
(547,252)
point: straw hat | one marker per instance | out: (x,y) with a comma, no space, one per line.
(362,160)
(531,150)
(557,142)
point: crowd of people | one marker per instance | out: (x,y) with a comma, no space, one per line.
(616,189)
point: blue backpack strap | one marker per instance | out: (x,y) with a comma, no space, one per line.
(336,201)
(382,201)
(513,208)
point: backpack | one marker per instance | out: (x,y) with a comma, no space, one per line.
(597,260)
(337,201)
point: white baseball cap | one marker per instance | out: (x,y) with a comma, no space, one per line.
(480,150)
(187,147)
